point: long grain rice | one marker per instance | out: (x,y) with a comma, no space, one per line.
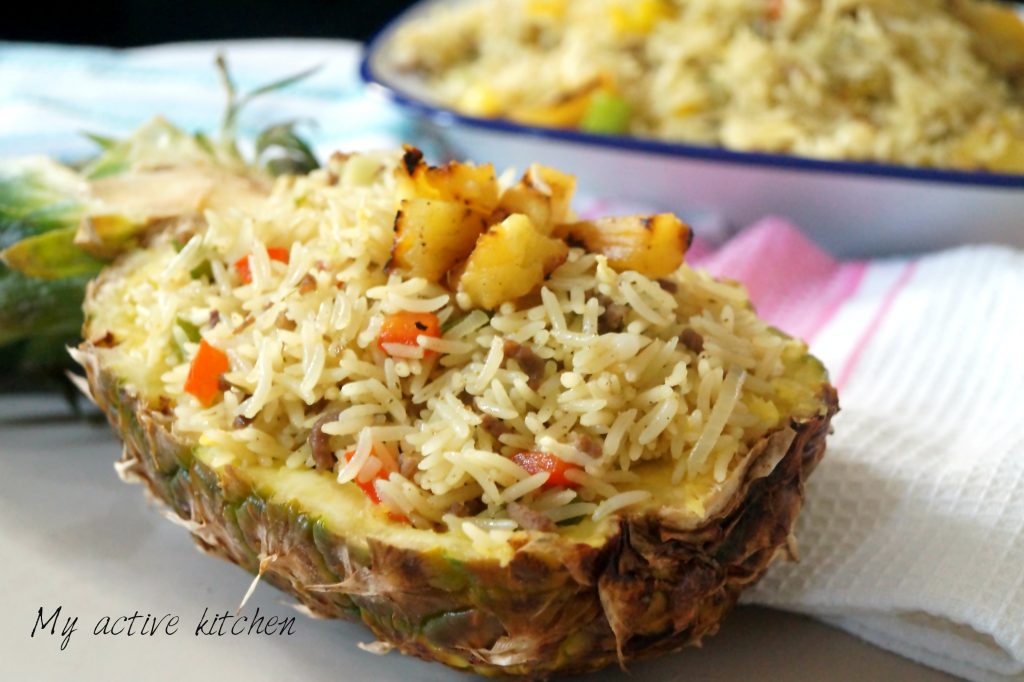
(454,410)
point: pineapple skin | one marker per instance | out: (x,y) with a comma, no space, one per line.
(559,608)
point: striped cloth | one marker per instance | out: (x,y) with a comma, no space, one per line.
(913,531)
(49,94)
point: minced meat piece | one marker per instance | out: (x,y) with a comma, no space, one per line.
(529,519)
(494,426)
(692,339)
(531,364)
(320,442)
(668,285)
(613,319)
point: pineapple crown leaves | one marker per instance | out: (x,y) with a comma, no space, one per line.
(279,148)
(42,201)
(284,150)
(43,271)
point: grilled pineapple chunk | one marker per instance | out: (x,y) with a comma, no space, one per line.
(432,236)
(510,260)
(567,112)
(473,186)
(651,245)
(542,194)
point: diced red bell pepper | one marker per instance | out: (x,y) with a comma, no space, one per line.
(368,486)
(535,462)
(242,264)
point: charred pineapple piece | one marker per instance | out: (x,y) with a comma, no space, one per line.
(464,183)
(543,194)
(432,236)
(654,245)
(510,260)
(565,112)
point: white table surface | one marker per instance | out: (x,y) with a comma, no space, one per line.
(75,536)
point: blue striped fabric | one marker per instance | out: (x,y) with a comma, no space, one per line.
(50,94)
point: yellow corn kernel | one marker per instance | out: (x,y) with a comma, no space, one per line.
(638,16)
(480,100)
(554,9)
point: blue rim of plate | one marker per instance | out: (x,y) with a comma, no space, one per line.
(448,117)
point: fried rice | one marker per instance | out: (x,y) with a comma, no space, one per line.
(916,82)
(632,382)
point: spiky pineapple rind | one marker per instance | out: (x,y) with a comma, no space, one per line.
(556,608)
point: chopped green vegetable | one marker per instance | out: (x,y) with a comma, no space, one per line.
(607,114)
(204,269)
(451,322)
(191,330)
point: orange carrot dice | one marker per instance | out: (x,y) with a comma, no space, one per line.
(403,328)
(204,373)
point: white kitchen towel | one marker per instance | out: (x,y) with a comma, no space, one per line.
(912,535)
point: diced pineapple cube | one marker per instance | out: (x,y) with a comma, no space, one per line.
(432,235)
(995,145)
(527,201)
(543,194)
(509,261)
(654,245)
(464,183)
(557,185)
(566,112)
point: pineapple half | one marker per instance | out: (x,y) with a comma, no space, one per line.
(548,600)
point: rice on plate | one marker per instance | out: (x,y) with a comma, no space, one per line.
(541,371)
(916,82)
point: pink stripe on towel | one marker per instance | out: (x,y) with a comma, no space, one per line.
(793,284)
(876,322)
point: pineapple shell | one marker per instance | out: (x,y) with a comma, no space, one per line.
(658,583)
